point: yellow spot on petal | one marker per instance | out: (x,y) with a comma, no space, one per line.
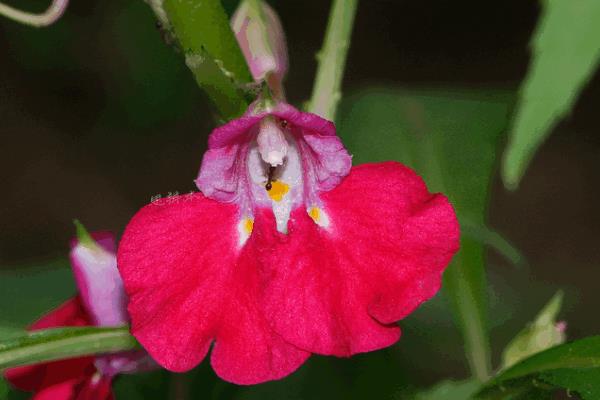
(278,190)
(248,225)
(315,213)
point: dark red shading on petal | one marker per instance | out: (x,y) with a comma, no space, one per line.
(62,390)
(338,290)
(56,380)
(95,387)
(189,284)
(90,387)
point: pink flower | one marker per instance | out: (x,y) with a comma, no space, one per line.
(287,251)
(101,302)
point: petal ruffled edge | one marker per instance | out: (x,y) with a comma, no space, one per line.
(338,290)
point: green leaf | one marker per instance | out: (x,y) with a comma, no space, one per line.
(450,390)
(566,51)
(550,366)
(449,138)
(211,52)
(543,333)
(584,382)
(60,343)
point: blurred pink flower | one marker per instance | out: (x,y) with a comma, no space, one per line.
(101,302)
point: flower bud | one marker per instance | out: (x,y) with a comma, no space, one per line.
(261,38)
(94,262)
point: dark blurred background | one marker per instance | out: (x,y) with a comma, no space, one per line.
(98,115)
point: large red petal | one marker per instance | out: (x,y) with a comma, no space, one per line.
(63,390)
(245,337)
(189,283)
(337,290)
(39,376)
(70,313)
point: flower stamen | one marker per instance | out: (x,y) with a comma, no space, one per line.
(278,190)
(269,184)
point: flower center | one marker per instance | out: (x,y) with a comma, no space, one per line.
(275,169)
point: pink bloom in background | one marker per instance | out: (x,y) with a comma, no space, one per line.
(287,251)
(101,302)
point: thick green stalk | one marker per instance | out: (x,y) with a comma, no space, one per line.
(332,59)
(60,343)
(201,29)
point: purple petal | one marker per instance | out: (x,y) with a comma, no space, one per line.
(125,363)
(326,161)
(228,171)
(98,280)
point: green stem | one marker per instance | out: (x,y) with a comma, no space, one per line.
(332,59)
(201,29)
(60,343)
(465,282)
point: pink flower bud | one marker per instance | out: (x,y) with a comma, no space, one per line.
(94,263)
(261,38)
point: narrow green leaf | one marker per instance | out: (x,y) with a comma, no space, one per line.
(493,239)
(580,354)
(584,353)
(60,343)
(449,138)
(541,334)
(211,51)
(566,51)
